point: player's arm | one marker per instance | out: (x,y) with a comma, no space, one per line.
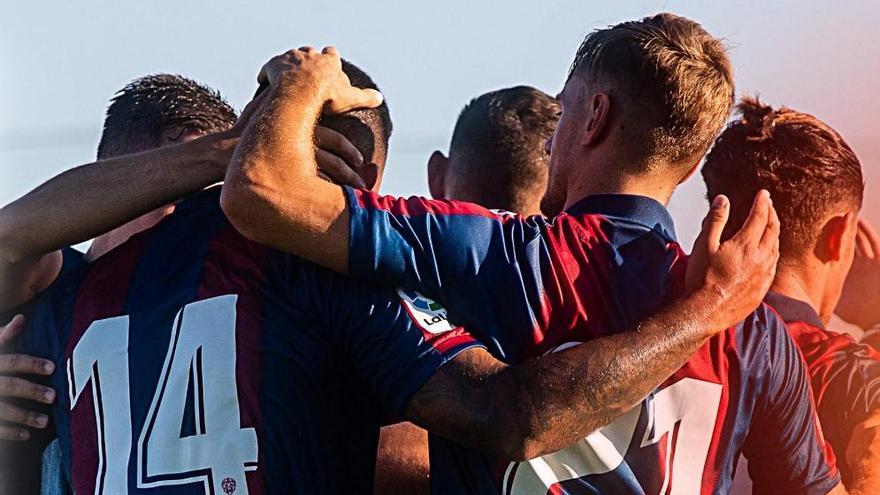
(91,199)
(540,406)
(860,300)
(272,193)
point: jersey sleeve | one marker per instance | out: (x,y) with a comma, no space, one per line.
(785,445)
(490,270)
(393,349)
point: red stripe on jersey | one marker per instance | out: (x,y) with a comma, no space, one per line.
(101,295)
(234,263)
(575,311)
(420,206)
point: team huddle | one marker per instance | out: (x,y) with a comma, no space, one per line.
(254,316)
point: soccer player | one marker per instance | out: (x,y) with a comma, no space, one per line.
(643,102)
(496,159)
(150,112)
(193,359)
(817,187)
(496,156)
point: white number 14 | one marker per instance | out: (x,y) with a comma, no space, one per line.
(201,356)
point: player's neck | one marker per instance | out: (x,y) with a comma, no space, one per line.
(803,281)
(649,185)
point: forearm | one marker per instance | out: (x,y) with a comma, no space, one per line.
(89,200)
(572,393)
(273,194)
(562,397)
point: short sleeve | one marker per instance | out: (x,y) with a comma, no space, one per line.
(490,269)
(394,342)
(785,446)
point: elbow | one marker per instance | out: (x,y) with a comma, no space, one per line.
(10,251)
(523,437)
(240,203)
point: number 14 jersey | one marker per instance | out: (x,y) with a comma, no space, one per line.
(193,361)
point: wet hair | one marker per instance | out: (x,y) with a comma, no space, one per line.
(497,149)
(670,80)
(149,106)
(810,171)
(364,128)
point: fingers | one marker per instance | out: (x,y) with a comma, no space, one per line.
(715,221)
(872,238)
(863,245)
(753,228)
(19,416)
(337,170)
(11,330)
(28,365)
(353,98)
(23,389)
(770,238)
(329,140)
(12,434)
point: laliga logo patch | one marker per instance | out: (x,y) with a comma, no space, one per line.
(425,312)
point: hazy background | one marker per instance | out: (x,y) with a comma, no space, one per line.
(61,62)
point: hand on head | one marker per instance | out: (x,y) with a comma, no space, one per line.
(741,269)
(307,69)
(860,300)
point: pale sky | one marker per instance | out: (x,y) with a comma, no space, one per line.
(61,61)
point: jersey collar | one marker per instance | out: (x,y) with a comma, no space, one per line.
(638,209)
(792,310)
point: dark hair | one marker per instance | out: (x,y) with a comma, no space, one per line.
(498,145)
(806,165)
(148,106)
(364,128)
(675,82)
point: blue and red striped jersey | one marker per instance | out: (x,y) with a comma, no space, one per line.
(529,286)
(191,361)
(845,375)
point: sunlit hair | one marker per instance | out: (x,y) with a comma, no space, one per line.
(498,145)
(671,81)
(810,171)
(149,106)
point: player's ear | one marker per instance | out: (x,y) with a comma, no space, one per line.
(369,172)
(438,166)
(836,237)
(598,113)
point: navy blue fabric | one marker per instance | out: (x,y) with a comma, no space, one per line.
(336,358)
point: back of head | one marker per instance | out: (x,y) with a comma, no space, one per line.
(369,130)
(497,157)
(160,107)
(810,171)
(671,85)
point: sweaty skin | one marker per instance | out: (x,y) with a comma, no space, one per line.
(289,208)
